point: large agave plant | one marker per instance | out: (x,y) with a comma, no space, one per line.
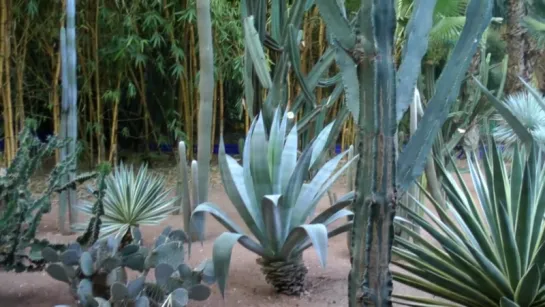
(271,196)
(132,200)
(487,251)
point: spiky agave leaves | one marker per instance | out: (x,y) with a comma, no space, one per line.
(270,194)
(489,251)
(132,200)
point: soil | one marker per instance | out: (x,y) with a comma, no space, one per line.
(246,285)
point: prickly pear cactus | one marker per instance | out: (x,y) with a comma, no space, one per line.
(98,276)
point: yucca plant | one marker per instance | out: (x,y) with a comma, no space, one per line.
(271,193)
(132,200)
(489,249)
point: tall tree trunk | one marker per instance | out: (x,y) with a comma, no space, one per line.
(521,49)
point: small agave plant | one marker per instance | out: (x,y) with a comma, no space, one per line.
(132,200)
(276,200)
(488,249)
(98,276)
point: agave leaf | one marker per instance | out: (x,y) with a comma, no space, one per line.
(255,49)
(274,155)
(247,168)
(336,231)
(272,220)
(259,166)
(220,216)
(318,236)
(317,191)
(320,143)
(293,189)
(313,188)
(221,255)
(232,175)
(289,158)
(505,302)
(528,286)
(334,212)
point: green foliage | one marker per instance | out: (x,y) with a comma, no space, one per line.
(98,276)
(20,211)
(270,194)
(131,200)
(490,247)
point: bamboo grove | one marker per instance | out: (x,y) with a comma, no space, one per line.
(137,67)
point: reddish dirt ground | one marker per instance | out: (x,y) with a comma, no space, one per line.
(246,285)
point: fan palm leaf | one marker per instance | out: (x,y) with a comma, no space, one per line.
(132,200)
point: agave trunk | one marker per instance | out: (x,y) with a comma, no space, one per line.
(286,276)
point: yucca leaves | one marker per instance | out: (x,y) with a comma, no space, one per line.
(490,250)
(270,193)
(132,200)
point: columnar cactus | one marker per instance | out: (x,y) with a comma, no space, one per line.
(378,96)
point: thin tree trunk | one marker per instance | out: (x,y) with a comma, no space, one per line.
(521,49)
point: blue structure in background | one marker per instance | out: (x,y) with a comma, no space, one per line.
(232,149)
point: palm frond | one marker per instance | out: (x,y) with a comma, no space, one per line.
(529,112)
(133,200)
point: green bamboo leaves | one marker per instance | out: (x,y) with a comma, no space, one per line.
(270,193)
(490,250)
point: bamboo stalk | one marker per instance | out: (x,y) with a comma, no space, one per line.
(4,35)
(10,138)
(113,138)
(100,118)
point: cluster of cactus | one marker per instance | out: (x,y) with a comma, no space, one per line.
(20,211)
(98,276)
